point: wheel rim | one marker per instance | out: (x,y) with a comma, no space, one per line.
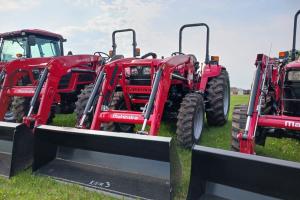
(198,123)
(9,116)
(226,100)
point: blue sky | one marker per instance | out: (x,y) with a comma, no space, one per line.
(239,29)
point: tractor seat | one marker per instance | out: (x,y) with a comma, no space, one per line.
(117,57)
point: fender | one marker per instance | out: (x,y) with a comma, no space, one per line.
(209,71)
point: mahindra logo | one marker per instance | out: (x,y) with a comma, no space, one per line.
(121,116)
(291,124)
(139,90)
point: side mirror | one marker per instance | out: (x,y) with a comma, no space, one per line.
(31,40)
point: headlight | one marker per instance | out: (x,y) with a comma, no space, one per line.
(146,70)
(134,71)
(294,75)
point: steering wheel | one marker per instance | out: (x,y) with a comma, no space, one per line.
(177,53)
(100,53)
(149,54)
(106,57)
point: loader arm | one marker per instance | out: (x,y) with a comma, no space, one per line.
(56,69)
(12,73)
(159,90)
(247,138)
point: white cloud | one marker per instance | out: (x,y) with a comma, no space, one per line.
(13,5)
(236,38)
(116,13)
(119,14)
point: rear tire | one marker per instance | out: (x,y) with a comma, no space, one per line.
(218,97)
(190,120)
(239,118)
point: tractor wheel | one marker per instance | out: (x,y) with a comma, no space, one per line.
(81,102)
(118,103)
(218,97)
(20,107)
(190,120)
(239,118)
(9,115)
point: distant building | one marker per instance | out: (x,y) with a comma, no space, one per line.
(247,92)
(239,91)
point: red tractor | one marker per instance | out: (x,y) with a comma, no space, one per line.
(30,43)
(140,91)
(273,109)
(22,44)
(32,85)
(134,91)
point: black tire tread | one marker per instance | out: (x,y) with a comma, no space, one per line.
(114,104)
(185,117)
(215,115)
(20,108)
(239,117)
(81,103)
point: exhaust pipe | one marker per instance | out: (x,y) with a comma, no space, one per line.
(220,174)
(16,148)
(127,165)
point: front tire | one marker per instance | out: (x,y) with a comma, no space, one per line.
(190,120)
(117,103)
(81,102)
(239,118)
(20,108)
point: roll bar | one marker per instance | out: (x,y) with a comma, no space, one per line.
(207,38)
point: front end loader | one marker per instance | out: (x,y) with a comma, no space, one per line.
(114,161)
(128,92)
(122,164)
(34,103)
(226,175)
(273,109)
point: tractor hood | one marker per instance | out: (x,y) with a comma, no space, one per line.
(294,64)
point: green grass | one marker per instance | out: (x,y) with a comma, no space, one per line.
(26,186)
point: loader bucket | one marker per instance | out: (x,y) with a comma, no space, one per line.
(127,165)
(16,148)
(219,174)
